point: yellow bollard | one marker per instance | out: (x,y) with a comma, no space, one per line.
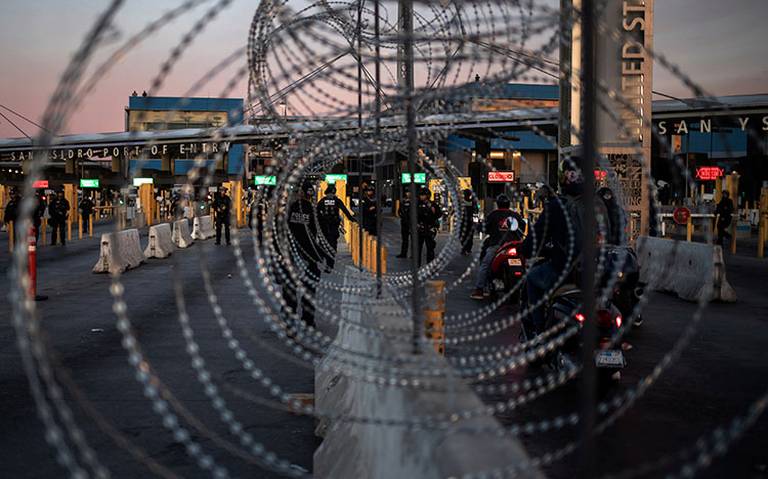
(689,230)
(434,315)
(383,260)
(80,227)
(69,229)
(90,225)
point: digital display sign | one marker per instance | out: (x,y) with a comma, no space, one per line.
(265,180)
(501,176)
(89,183)
(420,178)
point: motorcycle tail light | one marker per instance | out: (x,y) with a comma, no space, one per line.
(618,320)
(604,318)
(518,273)
(580,317)
(512,251)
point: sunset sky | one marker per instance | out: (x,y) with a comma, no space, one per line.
(720,45)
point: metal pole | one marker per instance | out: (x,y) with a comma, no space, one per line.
(360,130)
(589,331)
(410,113)
(377,131)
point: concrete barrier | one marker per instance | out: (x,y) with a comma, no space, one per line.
(694,271)
(181,236)
(119,252)
(203,228)
(160,244)
(354,449)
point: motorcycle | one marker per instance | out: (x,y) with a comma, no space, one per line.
(627,289)
(508,265)
(609,360)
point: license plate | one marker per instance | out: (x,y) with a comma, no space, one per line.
(610,359)
(515,261)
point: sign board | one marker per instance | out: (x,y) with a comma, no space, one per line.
(333,178)
(40,184)
(681,215)
(89,183)
(420,178)
(501,176)
(265,180)
(709,173)
(143,181)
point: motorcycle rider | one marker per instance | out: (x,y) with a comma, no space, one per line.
(496,226)
(428,213)
(328,209)
(551,239)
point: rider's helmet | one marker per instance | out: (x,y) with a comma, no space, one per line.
(502,201)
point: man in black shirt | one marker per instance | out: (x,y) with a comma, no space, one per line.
(59,211)
(496,226)
(428,213)
(724,213)
(467,232)
(328,209)
(302,226)
(222,208)
(86,209)
(369,211)
(404,213)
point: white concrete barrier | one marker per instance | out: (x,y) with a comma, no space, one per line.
(694,271)
(160,244)
(203,227)
(119,252)
(354,449)
(181,236)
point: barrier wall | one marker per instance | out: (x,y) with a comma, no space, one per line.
(160,244)
(694,271)
(203,228)
(353,449)
(181,236)
(119,252)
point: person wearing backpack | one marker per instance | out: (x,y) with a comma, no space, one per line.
(553,240)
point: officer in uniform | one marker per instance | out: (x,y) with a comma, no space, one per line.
(86,209)
(428,214)
(328,209)
(59,211)
(222,207)
(404,213)
(369,211)
(302,226)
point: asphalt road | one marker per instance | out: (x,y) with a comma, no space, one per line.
(81,328)
(717,377)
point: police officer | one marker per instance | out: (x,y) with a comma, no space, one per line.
(328,209)
(59,211)
(302,226)
(369,211)
(404,213)
(86,209)
(222,207)
(428,213)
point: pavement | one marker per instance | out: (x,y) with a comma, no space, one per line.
(81,329)
(716,378)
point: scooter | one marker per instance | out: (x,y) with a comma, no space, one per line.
(508,265)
